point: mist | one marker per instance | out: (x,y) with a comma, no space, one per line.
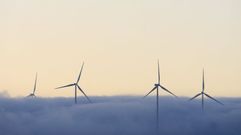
(118,115)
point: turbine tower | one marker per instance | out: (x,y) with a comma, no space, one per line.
(34,89)
(76,86)
(203,94)
(156,87)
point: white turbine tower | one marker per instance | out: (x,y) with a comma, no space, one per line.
(156,87)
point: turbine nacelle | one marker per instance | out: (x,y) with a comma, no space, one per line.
(156,85)
(32,94)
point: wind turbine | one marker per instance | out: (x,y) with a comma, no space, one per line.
(34,89)
(156,87)
(76,86)
(204,94)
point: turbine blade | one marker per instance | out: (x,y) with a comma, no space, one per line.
(203,82)
(80,73)
(213,99)
(84,94)
(159,78)
(35,84)
(65,86)
(150,92)
(167,90)
(195,96)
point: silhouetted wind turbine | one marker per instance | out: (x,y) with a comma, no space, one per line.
(156,87)
(34,89)
(76,86)
(204,94)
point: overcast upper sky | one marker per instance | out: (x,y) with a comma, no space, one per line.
(120,42)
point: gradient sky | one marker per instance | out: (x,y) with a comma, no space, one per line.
(120,42)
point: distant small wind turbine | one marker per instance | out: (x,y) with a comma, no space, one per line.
(204,94)
(156,87)
(76,86)
(34,89)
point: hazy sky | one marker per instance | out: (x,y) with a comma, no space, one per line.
(120,42)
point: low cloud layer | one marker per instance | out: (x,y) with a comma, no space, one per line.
(118,116)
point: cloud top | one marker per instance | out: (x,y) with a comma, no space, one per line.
(119,115)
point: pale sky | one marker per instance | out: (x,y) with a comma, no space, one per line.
(120,42)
